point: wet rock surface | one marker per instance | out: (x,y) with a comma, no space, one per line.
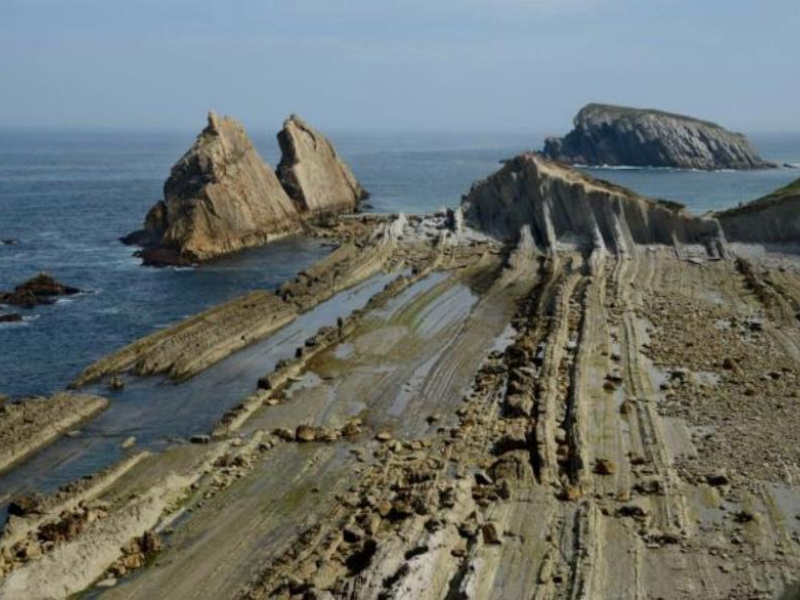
(622,136)
(27,425)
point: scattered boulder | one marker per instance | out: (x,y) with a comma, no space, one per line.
(10,317)
(200,439)
(491,535)
(604,466)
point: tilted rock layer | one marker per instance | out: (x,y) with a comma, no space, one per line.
(616,135)
(220,197)
(312,172)
(562,205)
(775,218)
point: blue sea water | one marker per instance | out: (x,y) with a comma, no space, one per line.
(68,196)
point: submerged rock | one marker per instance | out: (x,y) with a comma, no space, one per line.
(563,206)
(41,289)
(775,218)
(312,172)
(220,197)
(617,135)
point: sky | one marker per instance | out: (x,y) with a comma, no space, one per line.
(435,65)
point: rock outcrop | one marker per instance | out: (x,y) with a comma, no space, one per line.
(41,289)
(28,425)
(616,136)
(220,197)
(312,172)
(564,206)
(773,219)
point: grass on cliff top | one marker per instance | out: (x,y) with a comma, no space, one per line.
(787,192)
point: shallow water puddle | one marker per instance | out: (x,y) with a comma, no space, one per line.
(157,411)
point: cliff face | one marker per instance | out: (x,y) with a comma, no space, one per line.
(562,205)
(615,135)
(220,197)
(773,219)
(313,174)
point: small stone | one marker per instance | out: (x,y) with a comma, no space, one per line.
(383,436)
(491,535)
(128,443)
(604,466)
(305,433)
(200,439)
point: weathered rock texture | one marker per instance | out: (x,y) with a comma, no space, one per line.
(27,426)
(616,135)
(775,218)
(312,172)
(563,205)
(220,197)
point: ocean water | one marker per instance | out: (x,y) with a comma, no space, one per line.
(68,196)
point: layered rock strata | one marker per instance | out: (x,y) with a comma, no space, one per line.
(27,426)
(187,348)
(564,206)
(773,219)
(617,135)
(312,172)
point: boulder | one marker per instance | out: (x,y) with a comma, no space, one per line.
(616,135)
(220,197)
(312,172)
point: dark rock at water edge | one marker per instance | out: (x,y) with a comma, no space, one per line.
(42,289)
(10,317)
(606,135)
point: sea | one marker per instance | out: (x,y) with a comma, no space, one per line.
(67,196)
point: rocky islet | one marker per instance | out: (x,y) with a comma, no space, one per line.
(608,135)
(221,196)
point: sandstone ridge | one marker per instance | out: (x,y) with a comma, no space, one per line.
(563,206)
(615,136)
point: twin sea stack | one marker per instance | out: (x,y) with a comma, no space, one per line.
(606,135)
(221,196)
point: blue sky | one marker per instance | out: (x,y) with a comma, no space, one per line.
(472,65)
